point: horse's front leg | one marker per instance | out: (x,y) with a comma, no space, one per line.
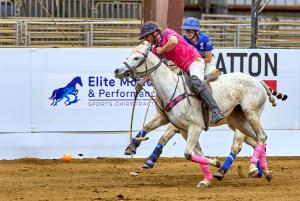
(192,140)
(164,139)
(213,162)
(156,122)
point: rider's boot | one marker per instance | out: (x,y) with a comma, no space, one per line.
(200,88)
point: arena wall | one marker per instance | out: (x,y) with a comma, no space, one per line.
(96,121)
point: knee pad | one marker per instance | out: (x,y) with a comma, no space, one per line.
(196,84)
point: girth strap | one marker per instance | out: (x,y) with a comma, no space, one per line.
(174,101)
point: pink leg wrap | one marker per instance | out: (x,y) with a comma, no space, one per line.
(207,174)
(200,159)
(256,154)
(263,158)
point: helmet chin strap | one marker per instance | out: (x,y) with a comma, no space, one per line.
(195,35)
(154,39)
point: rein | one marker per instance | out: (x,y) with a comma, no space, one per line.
(131,71)
(145,55)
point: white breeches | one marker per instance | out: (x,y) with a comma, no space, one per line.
(209,67)
(199,68)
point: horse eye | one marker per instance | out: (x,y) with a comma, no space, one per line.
(136,58)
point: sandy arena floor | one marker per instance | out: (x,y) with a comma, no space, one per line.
(171,179)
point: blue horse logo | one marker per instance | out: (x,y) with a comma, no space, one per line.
(64,92)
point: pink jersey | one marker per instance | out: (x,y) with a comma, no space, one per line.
(183,55)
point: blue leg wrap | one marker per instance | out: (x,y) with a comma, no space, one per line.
(260,171)
(150,163)
(135,143)
(228,162)
(156,152)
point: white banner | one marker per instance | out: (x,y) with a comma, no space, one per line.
(75,90)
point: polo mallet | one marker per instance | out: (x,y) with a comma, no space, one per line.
(132,173)
(144,138)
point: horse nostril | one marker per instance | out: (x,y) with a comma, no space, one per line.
(116,71)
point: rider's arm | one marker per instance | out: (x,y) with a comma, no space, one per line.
(208,57)
(207,48)
(171,44)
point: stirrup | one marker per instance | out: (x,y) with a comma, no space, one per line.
(219,118)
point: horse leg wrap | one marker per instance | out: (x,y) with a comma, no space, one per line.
(156,152)
(263,158)
(135,143)
(260,171)
(200,159)
(206,171)
(228,162)
(256,154)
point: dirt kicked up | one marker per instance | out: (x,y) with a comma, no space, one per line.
(171,179)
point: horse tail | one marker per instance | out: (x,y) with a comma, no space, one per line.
(272,93)
(279,95)
(53,94)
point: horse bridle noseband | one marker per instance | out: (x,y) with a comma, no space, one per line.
(145,55)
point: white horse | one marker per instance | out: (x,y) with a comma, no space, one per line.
(159,120)
(240,97)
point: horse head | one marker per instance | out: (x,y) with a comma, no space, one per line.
(78,80)
(137,65)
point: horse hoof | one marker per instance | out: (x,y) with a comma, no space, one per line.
(268,174)
(203,184)
(130,150)
(219,175)
(253,171)
(148,164)
(216,163)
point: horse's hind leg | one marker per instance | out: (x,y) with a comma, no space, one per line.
(253,144)
(253,117)
(237,120)
(236,147)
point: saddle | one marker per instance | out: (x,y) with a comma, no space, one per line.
(206,113)
(214,75)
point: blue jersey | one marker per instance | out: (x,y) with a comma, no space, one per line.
(203,45)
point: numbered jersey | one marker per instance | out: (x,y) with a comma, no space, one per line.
(203,45)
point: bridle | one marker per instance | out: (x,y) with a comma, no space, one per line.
(132,69)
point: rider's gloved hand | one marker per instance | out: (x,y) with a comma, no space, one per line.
(138,87)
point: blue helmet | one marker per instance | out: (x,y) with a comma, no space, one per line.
(191,23)
(148,28)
